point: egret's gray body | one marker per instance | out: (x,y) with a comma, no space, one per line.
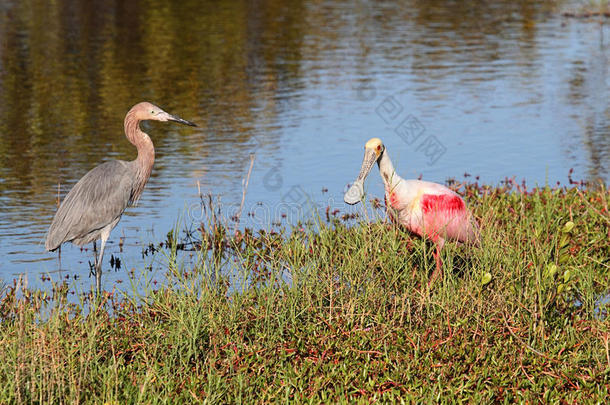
(95,204)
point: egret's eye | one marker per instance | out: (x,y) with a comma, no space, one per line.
(378,148)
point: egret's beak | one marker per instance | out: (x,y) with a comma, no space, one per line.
(356,192)
(163,116)
(180,120)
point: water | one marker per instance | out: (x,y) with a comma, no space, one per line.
(493,90)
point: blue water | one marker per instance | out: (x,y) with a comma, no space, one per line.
(504,90)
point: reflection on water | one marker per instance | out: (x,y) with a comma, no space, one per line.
(505,88)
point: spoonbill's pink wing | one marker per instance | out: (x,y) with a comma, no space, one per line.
(446,215)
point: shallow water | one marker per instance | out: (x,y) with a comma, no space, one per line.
(493,90)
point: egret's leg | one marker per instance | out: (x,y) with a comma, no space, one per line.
(98,269)
(98,265)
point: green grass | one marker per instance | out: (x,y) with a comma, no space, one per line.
(335,313)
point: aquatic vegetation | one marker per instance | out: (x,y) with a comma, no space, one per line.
(339,310)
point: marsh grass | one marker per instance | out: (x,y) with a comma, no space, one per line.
(333,311)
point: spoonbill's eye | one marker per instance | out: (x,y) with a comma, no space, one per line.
(152,112)
(378,148)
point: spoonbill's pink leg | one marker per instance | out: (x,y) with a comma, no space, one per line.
(439,242)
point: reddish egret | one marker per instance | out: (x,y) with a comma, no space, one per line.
(95,204)
(427,209)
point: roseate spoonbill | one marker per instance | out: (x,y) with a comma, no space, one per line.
(427,209)
(95,204)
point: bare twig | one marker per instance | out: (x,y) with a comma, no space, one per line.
(59,249)
(245,188)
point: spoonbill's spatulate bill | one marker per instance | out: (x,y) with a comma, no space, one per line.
(427,209)
(95,204)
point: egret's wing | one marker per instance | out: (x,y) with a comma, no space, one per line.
(98,199)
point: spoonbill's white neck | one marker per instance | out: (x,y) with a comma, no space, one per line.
(388,174)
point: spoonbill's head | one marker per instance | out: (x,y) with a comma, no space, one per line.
(148,111)
(373,150)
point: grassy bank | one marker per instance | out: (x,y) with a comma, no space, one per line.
(332,313)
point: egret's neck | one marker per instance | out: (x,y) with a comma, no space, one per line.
(388,174)
(146,152)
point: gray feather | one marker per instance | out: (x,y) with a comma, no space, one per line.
(96,201)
